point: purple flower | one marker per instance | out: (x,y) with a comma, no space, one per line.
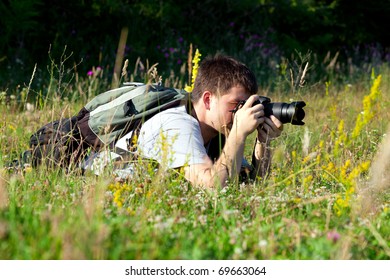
(333,236)
(90,73)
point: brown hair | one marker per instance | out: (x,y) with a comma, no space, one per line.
(219,74)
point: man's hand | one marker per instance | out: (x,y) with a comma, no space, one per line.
(249,117)
(270,129)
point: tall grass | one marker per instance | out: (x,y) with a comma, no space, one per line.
(326,197)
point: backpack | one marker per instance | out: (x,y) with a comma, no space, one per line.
(101,122)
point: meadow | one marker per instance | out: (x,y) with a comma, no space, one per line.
(327,195)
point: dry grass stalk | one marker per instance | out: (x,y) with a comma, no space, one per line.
(137,63)
(124,69)
(119,56)
(345,248)
(333,62)
(302,80)
(153,75)
(189,63)
(3,193)
(370,192)
(29,84)
(306,142)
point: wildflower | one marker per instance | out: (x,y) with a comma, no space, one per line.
(342,138)
(27,168)
(358,170)
(118,198)
(331,168)
(297,200)
(94,71)
(119,191)
(293,155)
(11,127)
(348,180)
(367,114)
(195,66)
(30,107)
(307,180)
(309,157)
(344,168)
(327,84)
(333,236)
(130,211)
(138,190)
(263,243)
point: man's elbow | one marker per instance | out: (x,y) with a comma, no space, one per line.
(208,179)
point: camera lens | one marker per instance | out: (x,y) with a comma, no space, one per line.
(286,112)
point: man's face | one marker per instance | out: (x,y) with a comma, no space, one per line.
(222,106)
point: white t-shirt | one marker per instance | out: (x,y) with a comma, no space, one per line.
(172,138)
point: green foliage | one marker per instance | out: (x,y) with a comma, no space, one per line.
(264,34)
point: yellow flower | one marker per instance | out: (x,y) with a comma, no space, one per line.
(307,180)
(130,211)
(318,159)
(195,66)
(330,167)
(365,165)
(293,155)
(368,112)
(344,168)
(119,191)
(118,198)
(297,200)
(10,126)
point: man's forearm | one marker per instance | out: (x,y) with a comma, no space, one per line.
(229,163)
(227,166)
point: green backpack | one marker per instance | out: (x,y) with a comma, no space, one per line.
(101,122)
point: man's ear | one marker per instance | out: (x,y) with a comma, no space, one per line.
(206,98)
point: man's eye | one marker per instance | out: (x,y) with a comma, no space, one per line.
(237,106)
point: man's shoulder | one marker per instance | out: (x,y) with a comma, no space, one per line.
(171,119)
(181,110)
(176,113)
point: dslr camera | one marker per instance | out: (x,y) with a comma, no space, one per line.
(285,112)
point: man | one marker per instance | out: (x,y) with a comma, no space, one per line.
(182,137)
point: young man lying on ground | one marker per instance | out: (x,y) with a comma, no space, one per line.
(205,140)
(186,137)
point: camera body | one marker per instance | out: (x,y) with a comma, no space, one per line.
(292,113)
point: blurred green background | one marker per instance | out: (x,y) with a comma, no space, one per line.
(262,33)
